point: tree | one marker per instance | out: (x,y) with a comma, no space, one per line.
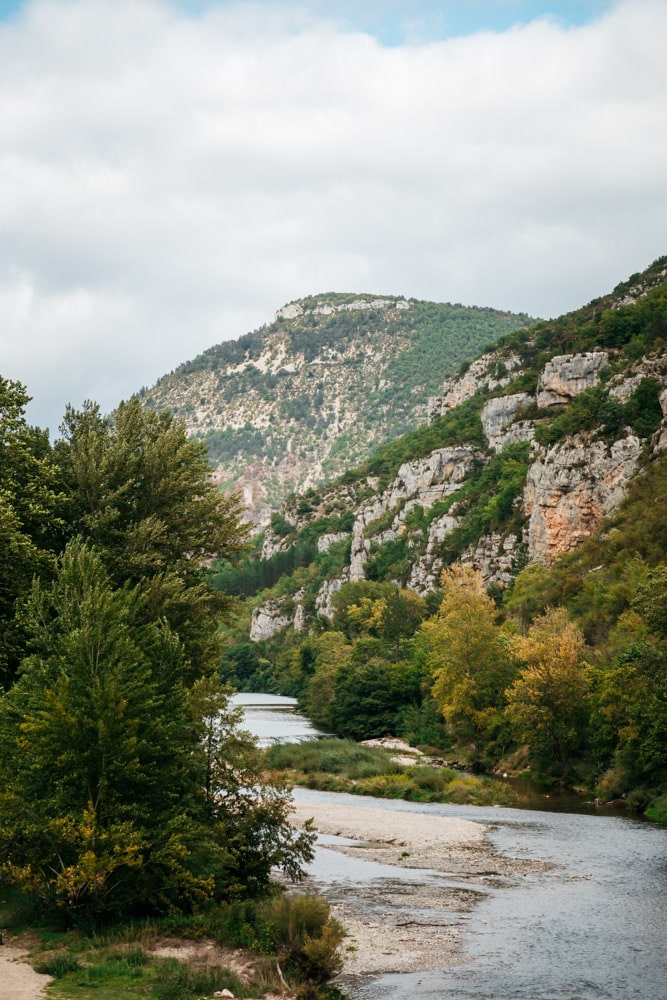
(141,493)
(30,521)
(369,693)
(119,791)
(631,694)
(548,704)
(247,808)
(468,659)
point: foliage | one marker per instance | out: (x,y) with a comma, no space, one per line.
(139,491)
(177,981)
(343,766)
(333,756)
(548,703)
(111,799)
(30,517)
(469,661)
(596,410)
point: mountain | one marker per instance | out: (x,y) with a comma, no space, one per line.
(333,377)
(522,456)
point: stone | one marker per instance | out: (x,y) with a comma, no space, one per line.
(498,420)
(570,487)
(568,375)
(483,372)
(268,619)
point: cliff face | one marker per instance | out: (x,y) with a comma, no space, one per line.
(313,393)
(534,471)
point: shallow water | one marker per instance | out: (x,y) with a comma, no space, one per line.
(594,927)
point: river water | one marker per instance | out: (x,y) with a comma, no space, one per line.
(592,927)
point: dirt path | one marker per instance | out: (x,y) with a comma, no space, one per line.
(18,981)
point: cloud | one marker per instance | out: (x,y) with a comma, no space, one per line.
(167,182)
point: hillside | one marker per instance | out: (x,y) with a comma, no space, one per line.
(297,402)
(542,469)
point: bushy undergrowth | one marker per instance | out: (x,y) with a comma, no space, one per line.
(176,981)
(293,933)
(344,766)
(340,757)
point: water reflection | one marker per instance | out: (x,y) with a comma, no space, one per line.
(273,718)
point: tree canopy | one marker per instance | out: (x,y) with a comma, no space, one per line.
(126,785)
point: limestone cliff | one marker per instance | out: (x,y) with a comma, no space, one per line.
(525,452)
(314,392)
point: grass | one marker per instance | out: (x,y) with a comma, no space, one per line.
(295,931)
(344,766)
(658,809)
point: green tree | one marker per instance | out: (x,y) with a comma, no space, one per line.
(469,660)
(30,522)
(369,693)
(141,493)
(115,794)
(548,703)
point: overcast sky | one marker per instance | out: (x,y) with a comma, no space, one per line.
(171,173)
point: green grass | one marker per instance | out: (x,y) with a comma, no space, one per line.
(344,766)
(658,809)
(117,963)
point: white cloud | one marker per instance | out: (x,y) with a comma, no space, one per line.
(167,182)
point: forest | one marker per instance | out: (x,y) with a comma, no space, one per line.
(128,791)
(560,676)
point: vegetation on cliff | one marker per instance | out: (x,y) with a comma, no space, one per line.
(299,401)
(560,668)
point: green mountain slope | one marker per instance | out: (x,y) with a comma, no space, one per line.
(542,470)
(296,402)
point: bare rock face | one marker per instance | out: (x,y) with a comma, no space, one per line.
(324,542)
(494,557)
(323,601)
(424,482)
(568,375)
(267,620)
(623,387)
(425,573)
(498,420)
(491,370)
(571,487)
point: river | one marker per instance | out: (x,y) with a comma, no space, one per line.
(591,927)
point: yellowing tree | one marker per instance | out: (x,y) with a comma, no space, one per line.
(548,704)
(468,658)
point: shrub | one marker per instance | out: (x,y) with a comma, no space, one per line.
(58,965)
(175,981)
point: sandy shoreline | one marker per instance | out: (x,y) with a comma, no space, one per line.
(406,926)
(18,980)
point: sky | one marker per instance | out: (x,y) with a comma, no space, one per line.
(173,171)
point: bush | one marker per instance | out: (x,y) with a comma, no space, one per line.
(58,966)
(175,981)
(306,936)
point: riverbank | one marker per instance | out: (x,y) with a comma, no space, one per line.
(410,923)
(386,769)
(18,980)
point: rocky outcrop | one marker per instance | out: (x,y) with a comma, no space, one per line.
(423,482)
(267,620)
(494,557)
(570,487)
(568,375)
(323,601)
(324,542)
(491,371)
(299,308)
(498,421)
(622,387)
(426,570)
